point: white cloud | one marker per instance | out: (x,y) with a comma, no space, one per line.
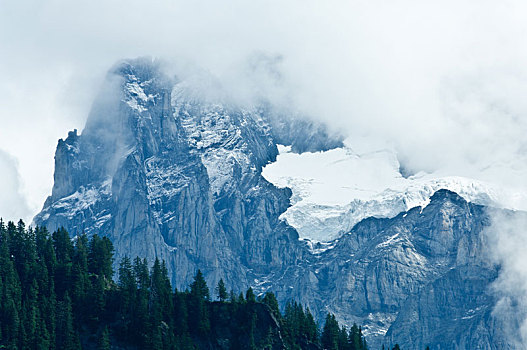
(13,205)
(442,82)
(507,241)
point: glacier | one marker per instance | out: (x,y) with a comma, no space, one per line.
(333,190)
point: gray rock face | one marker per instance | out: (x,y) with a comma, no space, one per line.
(419,279)
(166,172)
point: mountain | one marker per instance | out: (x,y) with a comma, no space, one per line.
(172,169)
(164,174)
(421,278)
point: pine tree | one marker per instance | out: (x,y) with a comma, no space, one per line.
(221,291)
(241,299)
(311,329)
(199,287)
(267,342)
(160,303)
(269,299)
(29,316)
(343,343)
(198,310)
(232,297)
(252,344)
(63,248)
(66,336)
(165,291)
(140,310)
(43,339)
(128,289)
(363,344)
(45,272)
(249,296)
(10,293)
(100,257)
(81,279)
(330,333)
(180,314)
(104,340)
(97,296)
(290,324)
(355,337)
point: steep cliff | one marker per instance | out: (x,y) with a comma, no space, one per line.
(165,170)
(420,279)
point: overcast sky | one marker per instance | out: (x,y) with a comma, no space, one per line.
(443,82)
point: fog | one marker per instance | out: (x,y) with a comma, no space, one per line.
(12,203)
(443,83)
(507,239)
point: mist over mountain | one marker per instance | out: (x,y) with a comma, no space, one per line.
(366,158)
(442,84)
(166,169)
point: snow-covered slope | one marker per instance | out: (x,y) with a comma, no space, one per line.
(335,189)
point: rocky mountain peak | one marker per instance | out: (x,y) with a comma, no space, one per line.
(165,173)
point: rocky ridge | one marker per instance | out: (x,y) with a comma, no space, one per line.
(165,172)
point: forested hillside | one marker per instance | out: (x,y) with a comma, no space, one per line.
(60,293)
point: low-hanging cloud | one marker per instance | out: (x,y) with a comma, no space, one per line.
(507,239)
(443,83)
(13,204)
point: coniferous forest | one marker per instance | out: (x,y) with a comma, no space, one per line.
(60,293)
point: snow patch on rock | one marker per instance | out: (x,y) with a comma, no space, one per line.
(215,134)
(335,189)
(135,94)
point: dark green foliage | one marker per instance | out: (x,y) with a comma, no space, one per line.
(356,339)
(298,323)
(330,333)
(335,337)
(249,296)
(197,305)
(199,288)
(100,257)
(104,340)
(10,292)
(241,299)
(128,287)
(269,299)
(58,293)
(63,249)
(221,291)
(66,335)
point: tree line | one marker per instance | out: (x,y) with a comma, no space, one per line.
(60,293)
